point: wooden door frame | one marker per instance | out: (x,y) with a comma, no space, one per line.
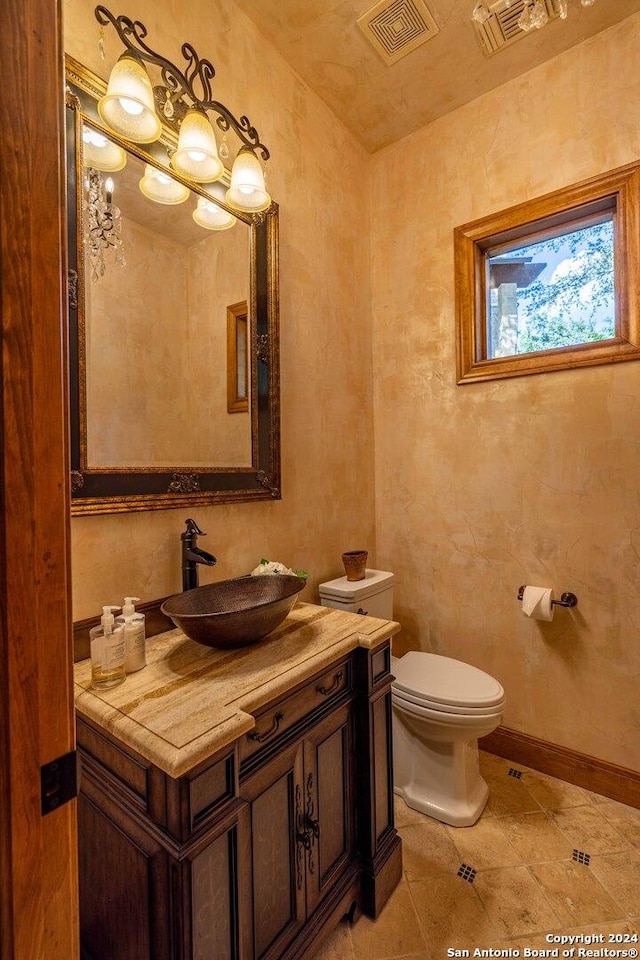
(38,857)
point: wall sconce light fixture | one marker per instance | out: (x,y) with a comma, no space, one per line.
(247,190)
(197,153)
(129,108)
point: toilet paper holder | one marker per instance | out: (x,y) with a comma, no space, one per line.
(566,599)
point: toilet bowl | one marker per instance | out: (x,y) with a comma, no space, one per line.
(440,708)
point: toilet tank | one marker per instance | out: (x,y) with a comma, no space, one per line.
(372,596)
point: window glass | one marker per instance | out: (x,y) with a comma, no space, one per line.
(551,293)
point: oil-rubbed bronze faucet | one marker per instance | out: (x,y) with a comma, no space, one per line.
(192,555)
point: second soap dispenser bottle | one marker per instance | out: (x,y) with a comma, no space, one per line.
(134,635)
(107,651)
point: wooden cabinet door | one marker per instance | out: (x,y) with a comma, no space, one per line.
(275,795)
(124,884)
(328,803)
(219,884)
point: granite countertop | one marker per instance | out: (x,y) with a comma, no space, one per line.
(191,701)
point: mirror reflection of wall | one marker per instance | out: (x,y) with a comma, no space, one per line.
(158,285)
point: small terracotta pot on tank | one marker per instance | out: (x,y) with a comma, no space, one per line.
(355,564)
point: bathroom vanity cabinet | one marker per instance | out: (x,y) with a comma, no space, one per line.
(270,817)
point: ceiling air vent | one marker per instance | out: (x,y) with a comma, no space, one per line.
(501,29)
(396,27)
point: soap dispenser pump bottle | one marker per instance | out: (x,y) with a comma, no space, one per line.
(107,651)
(134,635)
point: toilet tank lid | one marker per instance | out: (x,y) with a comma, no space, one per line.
(444,680)
(375,581)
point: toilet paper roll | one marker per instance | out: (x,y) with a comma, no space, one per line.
(536,603)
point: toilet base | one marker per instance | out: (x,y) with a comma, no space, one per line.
(461,813)
(436,769)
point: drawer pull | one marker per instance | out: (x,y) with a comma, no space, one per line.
(362,612)
(325,691)
(261,737)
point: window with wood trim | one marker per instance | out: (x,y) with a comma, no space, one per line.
(552,283)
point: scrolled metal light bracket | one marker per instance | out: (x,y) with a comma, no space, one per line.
(178,84)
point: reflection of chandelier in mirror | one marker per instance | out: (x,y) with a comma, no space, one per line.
(531,14)
(102,232)
(129,108)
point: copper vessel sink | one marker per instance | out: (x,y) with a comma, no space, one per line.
(234,613)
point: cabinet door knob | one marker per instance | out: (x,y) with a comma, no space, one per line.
(305,839)
(313,826)
(261,737)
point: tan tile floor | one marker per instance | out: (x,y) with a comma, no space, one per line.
(525,850)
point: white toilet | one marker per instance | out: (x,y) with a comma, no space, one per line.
(440,708)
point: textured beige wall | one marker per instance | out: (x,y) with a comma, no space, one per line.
(218,278)
(132,351)
(327,418)
(532,480)
(156,340)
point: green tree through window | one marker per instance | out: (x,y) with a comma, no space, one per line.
(564,292)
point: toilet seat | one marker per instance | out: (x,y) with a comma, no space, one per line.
(446,685)
(448,718)
(419,700)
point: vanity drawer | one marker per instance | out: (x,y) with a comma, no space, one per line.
(380,665)
(210,789)
(283,715)
(131,774)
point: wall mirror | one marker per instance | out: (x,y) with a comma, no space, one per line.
(166,411)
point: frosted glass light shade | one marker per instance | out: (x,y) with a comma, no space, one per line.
(158,186)
(197,153)
(101,153)
(212,217)
(247,190)
(127,106)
